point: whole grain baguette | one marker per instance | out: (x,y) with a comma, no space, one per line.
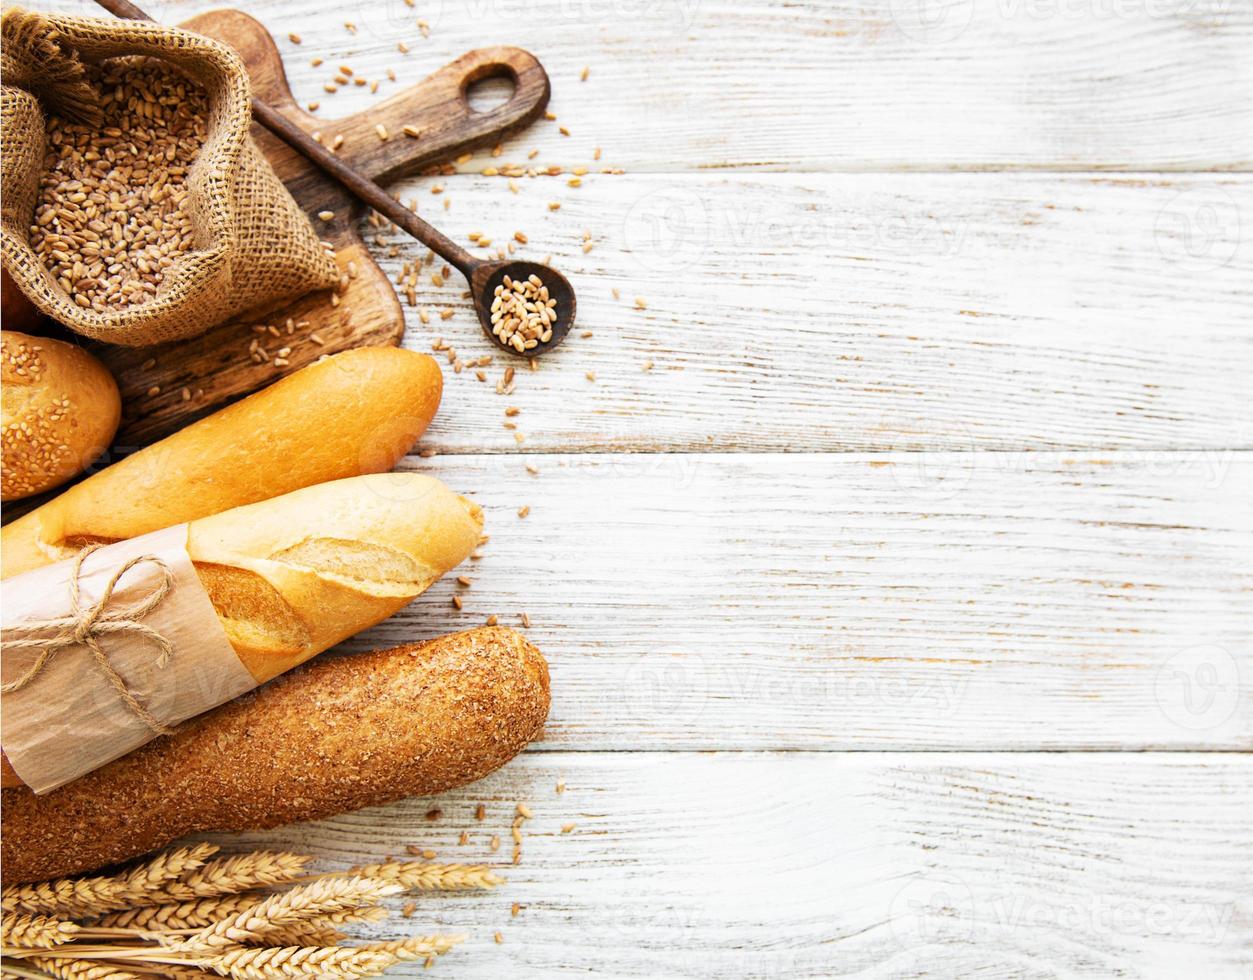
(292,576)
(355,412)
(336,735)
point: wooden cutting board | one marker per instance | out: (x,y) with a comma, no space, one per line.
(217,368)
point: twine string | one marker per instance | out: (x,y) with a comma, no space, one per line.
(84,627)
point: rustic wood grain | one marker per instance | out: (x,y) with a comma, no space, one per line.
(820,865)
(1019,601)
(823,84)
(818,312)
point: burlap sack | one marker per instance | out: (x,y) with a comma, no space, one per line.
(253,246)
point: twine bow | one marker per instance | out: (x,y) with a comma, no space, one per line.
(84,627)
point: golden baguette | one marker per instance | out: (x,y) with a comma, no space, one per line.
(293,576)
(336,735)
(352,413)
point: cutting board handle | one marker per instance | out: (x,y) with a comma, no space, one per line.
(438,107)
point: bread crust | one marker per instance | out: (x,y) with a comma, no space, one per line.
(61,410)
(353,413)
(335,735)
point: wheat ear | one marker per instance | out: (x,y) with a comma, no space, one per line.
(325,962)
(36,930)
(233,874)
(417,948)
(67,969)
(315,933)
(433,877)
(9,970)
(184,915)
(301,904)
(69,898)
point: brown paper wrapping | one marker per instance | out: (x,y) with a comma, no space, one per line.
(69,719)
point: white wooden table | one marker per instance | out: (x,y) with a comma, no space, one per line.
(900,614)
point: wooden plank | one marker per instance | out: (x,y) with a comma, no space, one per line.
(817,312)
(816,865)
(825,84)
(841,601)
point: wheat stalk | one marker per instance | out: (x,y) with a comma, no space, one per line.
(327,962)
(301,904)
(36,930)
(69,898)
(195,914)
(432,877)
(181,914)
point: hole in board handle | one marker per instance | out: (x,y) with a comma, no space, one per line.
(490,90)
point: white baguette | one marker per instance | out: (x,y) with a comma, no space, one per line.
(292,576)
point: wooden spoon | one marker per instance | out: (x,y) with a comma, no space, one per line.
(483,275)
